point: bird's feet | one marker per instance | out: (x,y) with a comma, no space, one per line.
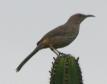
(62,54)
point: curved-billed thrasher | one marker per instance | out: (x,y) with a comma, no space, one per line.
(59,37)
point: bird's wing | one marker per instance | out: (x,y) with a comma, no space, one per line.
(59,31)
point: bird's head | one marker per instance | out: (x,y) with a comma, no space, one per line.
(78,18)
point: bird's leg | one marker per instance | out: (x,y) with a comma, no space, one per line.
(54,50)
(60,53)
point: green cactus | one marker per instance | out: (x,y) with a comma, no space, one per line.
(65,70)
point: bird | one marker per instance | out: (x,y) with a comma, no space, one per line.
(59,37)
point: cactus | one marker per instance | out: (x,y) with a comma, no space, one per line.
(65,70)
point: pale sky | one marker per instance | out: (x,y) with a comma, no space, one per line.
(24,22)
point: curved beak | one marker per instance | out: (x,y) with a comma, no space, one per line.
(90,16)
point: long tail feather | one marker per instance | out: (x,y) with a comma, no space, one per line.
(26,59)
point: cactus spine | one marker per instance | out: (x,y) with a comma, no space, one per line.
(65,70)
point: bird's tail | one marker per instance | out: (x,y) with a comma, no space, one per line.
(27,58)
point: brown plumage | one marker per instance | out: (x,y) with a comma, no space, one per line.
(59,37)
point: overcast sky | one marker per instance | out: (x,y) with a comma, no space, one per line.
(24,22)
